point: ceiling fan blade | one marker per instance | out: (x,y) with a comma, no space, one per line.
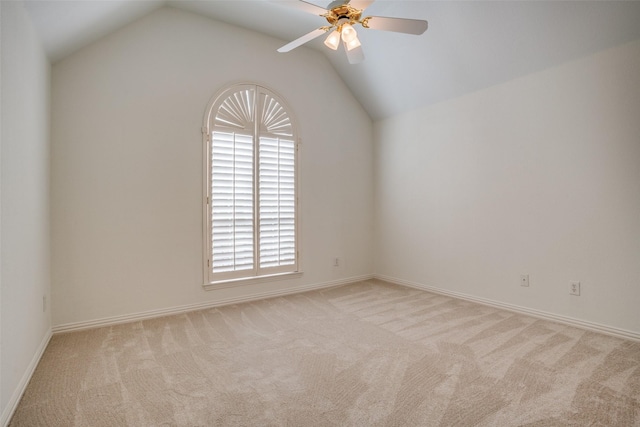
(360,4)
(302,40)
(303,6)
(355,55)
(399,25)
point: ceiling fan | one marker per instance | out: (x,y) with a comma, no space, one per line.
(342,15)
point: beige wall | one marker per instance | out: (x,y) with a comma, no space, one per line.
(127,164)
(538,176)
(24,258)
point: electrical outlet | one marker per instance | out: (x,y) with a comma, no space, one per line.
(574,288)
(524,280)
(336,262)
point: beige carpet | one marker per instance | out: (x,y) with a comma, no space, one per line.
(367,354)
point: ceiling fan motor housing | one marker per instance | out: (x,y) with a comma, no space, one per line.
(343,14)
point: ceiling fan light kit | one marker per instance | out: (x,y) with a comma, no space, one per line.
(342,15)
(352,44)
(348,33)
(333,41)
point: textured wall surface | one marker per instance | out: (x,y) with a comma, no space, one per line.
(536,176)
(127,164)
(24,271)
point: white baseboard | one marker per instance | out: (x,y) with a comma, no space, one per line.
(583,324)
(12,405)
(109,321)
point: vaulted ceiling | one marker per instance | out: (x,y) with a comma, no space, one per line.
(469,45)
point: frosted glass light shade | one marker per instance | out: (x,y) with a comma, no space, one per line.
(354,43)
(348,33)
(333,41)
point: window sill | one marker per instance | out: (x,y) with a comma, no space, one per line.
(250,280)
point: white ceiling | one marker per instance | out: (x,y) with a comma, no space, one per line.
(469,45)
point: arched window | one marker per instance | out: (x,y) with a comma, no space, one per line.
(251,186)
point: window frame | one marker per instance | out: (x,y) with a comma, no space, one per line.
(213,280)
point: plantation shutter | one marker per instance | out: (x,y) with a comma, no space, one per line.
(232,202)
(277,187)
(253,200)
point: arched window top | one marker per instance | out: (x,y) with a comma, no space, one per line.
(237,107)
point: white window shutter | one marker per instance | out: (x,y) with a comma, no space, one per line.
(253,177)
(232,209)
(277,202)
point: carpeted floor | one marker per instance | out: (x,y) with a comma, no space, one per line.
(367,354)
